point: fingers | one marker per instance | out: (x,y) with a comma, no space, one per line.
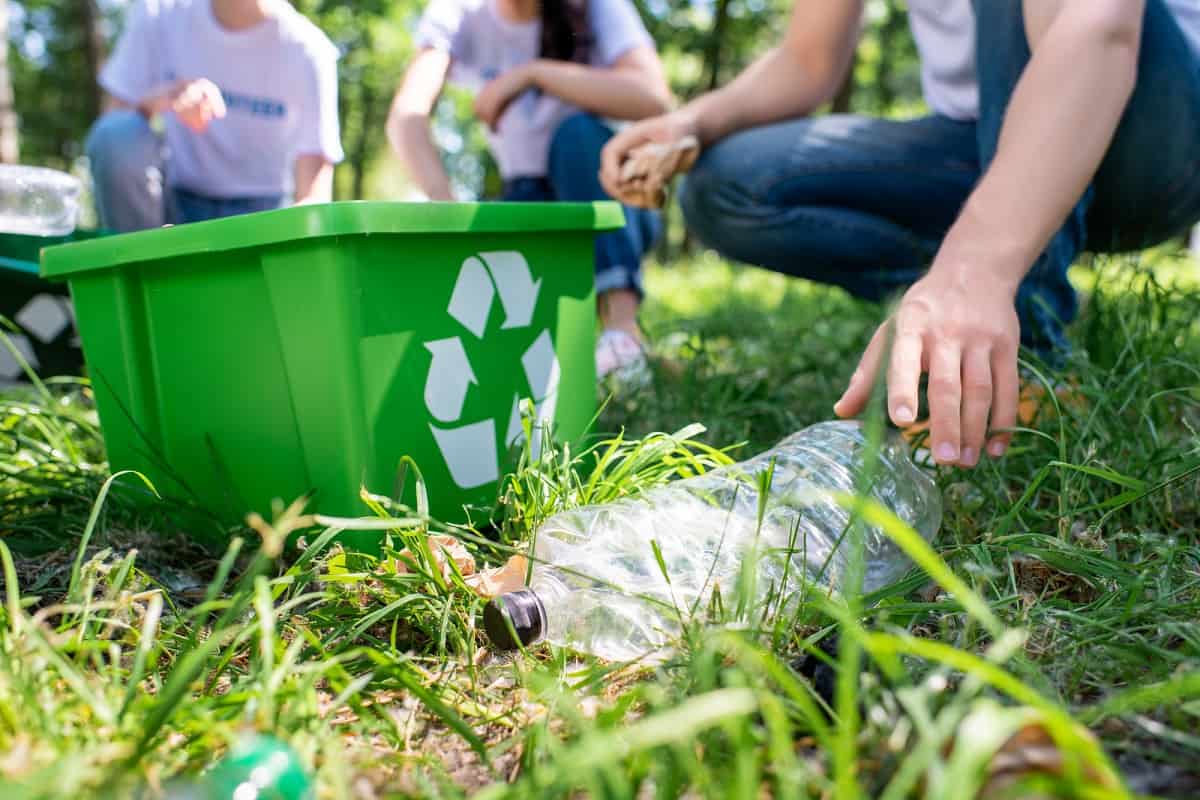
(1006,392)
(613,170)
(858,393)
(198,103)
(216,100)
(904,378)
(945,401)
(611,158)
(976,402)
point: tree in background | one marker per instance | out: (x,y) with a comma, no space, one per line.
(9,142)
(56,50)
(373,37)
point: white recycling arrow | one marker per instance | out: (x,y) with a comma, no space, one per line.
(541,367)
(471,302)
(518,290)
(470,453)
(543,373)
(450,376)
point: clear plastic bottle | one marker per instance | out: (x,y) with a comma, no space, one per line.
(37,201)
(598,586)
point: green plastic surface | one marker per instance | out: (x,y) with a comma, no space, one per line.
(271,355)
(258,768)
(19,253)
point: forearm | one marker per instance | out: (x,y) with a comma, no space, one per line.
(776,87)
(314,180)
(614,93)
(1060,122)
(412,140)
(784,83)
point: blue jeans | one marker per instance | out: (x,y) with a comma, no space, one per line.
(864,203)
(573,177)
(129,169)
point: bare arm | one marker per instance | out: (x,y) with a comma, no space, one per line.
(635,87)
(314,180)
(408,125)
(196,102)
(960,319)
(789,81)
(1060,123)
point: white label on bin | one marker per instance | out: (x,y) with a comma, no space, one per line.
(470,450)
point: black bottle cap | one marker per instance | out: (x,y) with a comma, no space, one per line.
(521,613)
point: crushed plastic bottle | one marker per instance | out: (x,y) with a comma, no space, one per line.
(256,768)
(38,202)
(598,587)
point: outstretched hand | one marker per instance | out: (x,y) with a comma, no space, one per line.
(967,340)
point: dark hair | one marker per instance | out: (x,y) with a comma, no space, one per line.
(566,35)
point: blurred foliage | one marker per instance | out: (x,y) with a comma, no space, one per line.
(56,45)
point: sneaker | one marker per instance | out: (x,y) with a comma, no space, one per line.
(621,357)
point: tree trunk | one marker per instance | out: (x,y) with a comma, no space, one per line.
(9,140)
(844,96)
(893,27)
(713,53)
(362,145)
(716,44)
(93,52)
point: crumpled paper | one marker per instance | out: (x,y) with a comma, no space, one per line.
(488,583)
(649,168)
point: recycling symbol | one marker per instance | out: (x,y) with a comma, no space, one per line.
(470,450)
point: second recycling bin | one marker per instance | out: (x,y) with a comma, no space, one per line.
(310,349)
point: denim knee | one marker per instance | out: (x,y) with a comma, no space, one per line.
(706,199)
(579,127)
(575,153)
(122,146)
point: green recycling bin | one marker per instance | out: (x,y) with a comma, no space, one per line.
(309,350)
(45,336)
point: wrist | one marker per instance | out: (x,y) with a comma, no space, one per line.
(692,120)
(160,99)
(531,74)
(979,252)
(154,103)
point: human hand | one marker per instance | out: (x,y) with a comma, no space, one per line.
(965,333)
(195,102)
(638,162)
(498,95)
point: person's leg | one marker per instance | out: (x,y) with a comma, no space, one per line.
(127,163)
(193,207)
(574,168)
(858,202)
(1146,190)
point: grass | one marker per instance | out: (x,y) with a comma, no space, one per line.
(1052,636)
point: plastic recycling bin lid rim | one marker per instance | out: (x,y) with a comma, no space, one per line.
(325,220)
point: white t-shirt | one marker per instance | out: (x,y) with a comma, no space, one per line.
(279,81)
(483,45)
(945,34)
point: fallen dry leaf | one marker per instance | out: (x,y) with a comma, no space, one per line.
(500,580)
(1030,752)
(440,546)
